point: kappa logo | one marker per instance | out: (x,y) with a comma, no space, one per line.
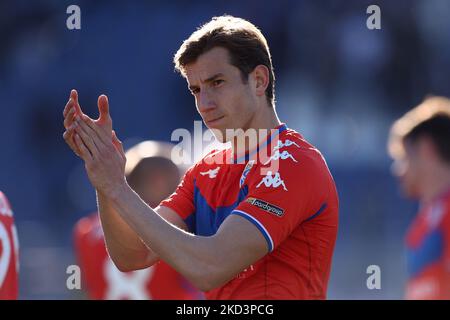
(247,169)
(283,156)
(212,173)
(266,206)
(286,143)
(272,181)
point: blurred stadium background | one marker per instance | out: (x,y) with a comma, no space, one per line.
(338,83)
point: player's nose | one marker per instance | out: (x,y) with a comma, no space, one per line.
(205,103)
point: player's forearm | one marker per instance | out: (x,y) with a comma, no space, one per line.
(124,246)
(196,258)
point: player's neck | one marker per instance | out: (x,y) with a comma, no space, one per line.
(437,184)
(263,122)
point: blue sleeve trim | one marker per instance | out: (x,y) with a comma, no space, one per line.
(260,227)
(318,212)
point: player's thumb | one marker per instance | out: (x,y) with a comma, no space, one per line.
(103,108)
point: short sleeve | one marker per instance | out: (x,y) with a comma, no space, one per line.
(279,200)
(182,200)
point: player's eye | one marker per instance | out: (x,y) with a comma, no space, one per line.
(217,82)
(195,91)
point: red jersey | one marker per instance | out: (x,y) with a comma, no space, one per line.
(289,195)
(9,252)
(428,251)
(103,281)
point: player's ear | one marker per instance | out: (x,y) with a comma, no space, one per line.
(427,148)
(261,79)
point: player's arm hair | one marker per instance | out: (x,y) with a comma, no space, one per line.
(124,246)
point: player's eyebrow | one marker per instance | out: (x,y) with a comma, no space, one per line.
(210,79)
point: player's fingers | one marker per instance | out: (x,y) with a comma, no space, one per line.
(73,100)
(72,104)
(94,130)
(84,151)
(69,138)
(103,132)
(68,106)
(88,139)
(74,96)
(68,119)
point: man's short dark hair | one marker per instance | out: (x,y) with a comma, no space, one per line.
(245,43)
(430,119)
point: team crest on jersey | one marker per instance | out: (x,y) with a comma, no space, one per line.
(247,169)
(273,181)
(263,205)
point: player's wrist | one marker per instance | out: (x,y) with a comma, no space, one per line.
(115,192)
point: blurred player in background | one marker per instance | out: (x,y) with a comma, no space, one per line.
(152,174)
(420,145)
(9,252)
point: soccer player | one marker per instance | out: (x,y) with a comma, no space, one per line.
(420,145)
(9,252)
(257,220)
(152,174)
